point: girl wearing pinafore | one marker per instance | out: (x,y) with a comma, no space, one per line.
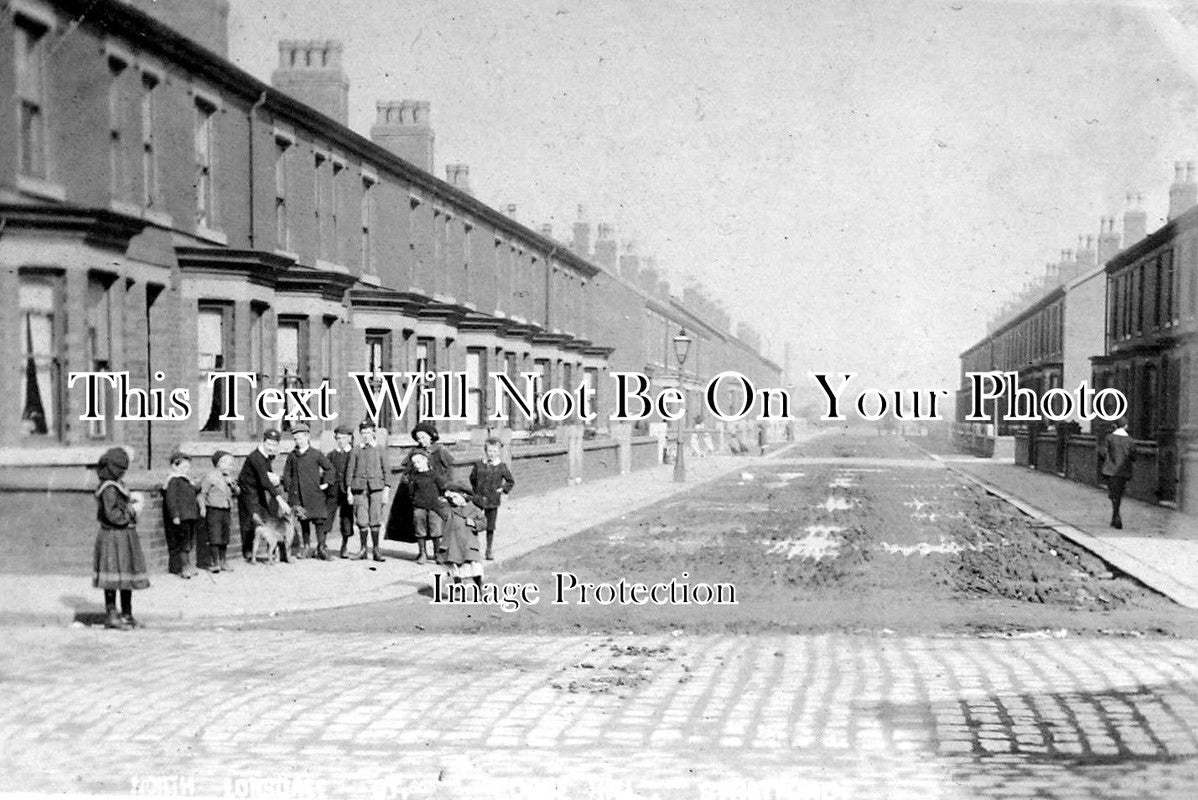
(119,564)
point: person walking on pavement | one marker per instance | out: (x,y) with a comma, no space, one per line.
(337,495)
(118,565)
(307,473)
(260,493)
(366,476)
(1118,455)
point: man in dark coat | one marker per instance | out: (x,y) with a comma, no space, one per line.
(306,476)
(1118,455)
(261,492)
(337,496)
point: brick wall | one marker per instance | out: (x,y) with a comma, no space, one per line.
(55,532)
(600,460)
(644,452)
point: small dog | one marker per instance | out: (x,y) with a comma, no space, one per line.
(275,534)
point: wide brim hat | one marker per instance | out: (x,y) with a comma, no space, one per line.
(428,428)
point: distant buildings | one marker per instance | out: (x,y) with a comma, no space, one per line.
(1124,316)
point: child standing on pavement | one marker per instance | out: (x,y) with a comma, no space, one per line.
(217,490)
(426,487)
(458,549)
(336,497)
(367,476)
(490,480)
(182,510)
(118,564)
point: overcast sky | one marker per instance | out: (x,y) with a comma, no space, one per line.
(868,180)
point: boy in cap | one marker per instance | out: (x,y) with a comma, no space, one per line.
(306,476)
(337,496)
(366,476)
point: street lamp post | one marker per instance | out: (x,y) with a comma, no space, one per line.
(682,346)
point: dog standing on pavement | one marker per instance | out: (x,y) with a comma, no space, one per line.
(275,537)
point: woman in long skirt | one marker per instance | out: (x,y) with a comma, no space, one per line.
(119,564)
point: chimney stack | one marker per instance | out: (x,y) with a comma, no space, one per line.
(581,244)
(630,264)
(310,71)
(459,176)
(1183,194)
(605,248)
(1085,254)
(1135,221)
(648,275)
(402,126)
(1108,240)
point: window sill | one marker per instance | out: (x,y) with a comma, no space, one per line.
(39,187)
(210,235)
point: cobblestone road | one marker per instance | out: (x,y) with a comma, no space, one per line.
(257,713)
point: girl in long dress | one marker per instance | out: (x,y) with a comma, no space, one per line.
(119,564)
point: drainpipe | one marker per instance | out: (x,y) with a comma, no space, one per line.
(253,198)
(549,285)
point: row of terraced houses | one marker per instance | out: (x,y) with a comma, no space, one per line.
(166,214)
(1121,311)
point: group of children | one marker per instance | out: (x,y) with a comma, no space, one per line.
(350,484)
(447,516)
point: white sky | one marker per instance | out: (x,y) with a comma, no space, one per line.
(866,178)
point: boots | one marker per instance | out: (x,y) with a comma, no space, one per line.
(344,545)
(111,620)
(420,557)
(224,563)
(1116,520)
(374,541)
(127,609)
(363,553)
(490,542)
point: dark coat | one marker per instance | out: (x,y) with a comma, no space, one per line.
(114,507)
(426,489)
(487,479)
(459,538)
(303,475)
(340,460)
(1118,455)
(179,500)
(257,495)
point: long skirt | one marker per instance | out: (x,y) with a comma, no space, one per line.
(119,562)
